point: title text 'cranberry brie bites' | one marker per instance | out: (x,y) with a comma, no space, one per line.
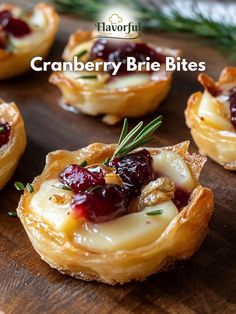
(24,35)
(12,140)
(125,94)
(211,116)
(113,214)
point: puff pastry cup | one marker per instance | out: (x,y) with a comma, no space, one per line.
(127,95)
(12,140)
(211,117)
(159,227)
(27,35)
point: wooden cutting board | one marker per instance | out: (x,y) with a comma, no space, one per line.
(205,284)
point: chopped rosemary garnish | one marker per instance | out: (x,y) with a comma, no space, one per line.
(2,129)
(29,187)
(83,163)
(19,186)
(137,137)
(81,53)
(87,77)
(12,214)
(62,187)
(155,212)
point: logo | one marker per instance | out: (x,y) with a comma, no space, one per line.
(119,25)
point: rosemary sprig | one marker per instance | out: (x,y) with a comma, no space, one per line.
(153,17)
(137,137)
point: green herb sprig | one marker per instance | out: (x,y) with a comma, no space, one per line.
(137,137)
(152,17)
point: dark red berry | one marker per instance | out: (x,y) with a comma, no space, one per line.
(5,130)
(181,198)
(14,26)
(102,204)
(80,179)
(113,51)
(232,101)
(5,16)
(135,170)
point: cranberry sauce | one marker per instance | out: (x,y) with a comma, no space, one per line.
(97,201)
(232,101)
(135,170)
(15,26)
(181,197)
(79,179)
(103,204)
(5,130)
(113,51)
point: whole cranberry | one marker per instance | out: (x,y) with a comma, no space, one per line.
(181,198)
(80,179)
(15,26)
(103,204)
(5,130)
(232,101)
(135,170)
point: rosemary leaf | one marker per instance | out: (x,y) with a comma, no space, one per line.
(81,53)
(12,213)
(62,187)
(106,161)
(155,212)
(87,77)
(19,186)
(124,131)
(29,187)
(2,129)
(83,163)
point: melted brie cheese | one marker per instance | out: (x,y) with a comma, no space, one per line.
(127,232)
(44,205)
(128,81)
(172,165)
(215,111)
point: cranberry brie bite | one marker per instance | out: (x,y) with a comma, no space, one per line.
(113,214)
(125,94)
(12,140)
(211,116)
(24,35)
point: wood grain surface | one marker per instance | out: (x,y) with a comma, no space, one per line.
(205,284)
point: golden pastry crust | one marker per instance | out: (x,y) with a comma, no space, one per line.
(16,62)
(179,240)
(11,152)
(116,103)
(219,145)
